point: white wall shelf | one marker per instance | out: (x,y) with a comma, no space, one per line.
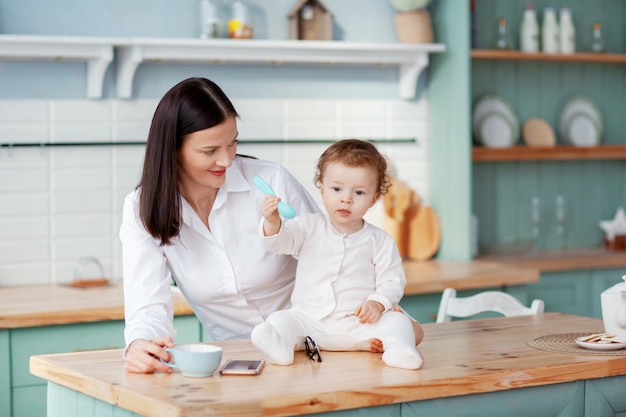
(96,52)
(411,59)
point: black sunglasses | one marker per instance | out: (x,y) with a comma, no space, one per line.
(311,349)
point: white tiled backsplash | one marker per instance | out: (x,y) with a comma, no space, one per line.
(58,204)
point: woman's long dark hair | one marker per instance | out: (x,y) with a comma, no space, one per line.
(191,105)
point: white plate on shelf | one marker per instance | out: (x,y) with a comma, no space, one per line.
(582,130)
(496,131)
(599,346)
(492,103)
(579,104)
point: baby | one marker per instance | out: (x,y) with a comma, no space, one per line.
(349,275)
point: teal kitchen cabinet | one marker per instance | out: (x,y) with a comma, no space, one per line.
(23,394)
(575,291)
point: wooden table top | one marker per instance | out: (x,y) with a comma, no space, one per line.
(463,357)
(44,305)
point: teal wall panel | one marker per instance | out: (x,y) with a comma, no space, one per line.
(502,193)
(449,145)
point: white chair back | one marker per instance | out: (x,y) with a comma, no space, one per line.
(496,301)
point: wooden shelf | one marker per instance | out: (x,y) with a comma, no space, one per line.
(569,259)
(589,58)
(557,153)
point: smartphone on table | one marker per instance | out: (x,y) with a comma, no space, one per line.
(242,367)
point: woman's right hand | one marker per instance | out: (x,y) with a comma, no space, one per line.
(143,356)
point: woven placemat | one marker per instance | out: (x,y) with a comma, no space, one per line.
(565,343)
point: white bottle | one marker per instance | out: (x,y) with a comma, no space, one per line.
(567,36)
(550,32)
(210,22)
(529,30)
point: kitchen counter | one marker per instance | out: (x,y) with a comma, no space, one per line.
(486,358)
(42,305)
(565,260)
(434,276)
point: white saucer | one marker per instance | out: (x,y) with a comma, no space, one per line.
(495,131)
(599,346)
(492,103)
(582,130)
(579,104)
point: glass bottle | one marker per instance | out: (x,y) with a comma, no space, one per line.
(529,30)
(210,22)
(567,35)
(550,32)
(597,43)
(239,25)
(503,38)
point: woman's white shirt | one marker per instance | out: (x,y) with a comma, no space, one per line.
(227,277)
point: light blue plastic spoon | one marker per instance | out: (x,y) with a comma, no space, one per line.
(285,209)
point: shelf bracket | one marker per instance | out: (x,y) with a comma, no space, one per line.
(409,74)
(128,59)
(96,68)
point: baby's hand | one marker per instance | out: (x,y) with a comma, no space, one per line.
(369,312)
(269,210)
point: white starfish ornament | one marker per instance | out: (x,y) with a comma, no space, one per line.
(615,227)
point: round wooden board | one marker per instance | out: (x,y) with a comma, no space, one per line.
(538,133)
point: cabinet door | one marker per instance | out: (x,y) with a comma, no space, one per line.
(5,374)
(565,292)
(29,401)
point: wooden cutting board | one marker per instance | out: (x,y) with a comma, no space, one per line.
(424,234)
(398,204)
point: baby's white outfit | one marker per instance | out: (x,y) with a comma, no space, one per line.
(336,273)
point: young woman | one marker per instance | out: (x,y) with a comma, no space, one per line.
(194,219)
